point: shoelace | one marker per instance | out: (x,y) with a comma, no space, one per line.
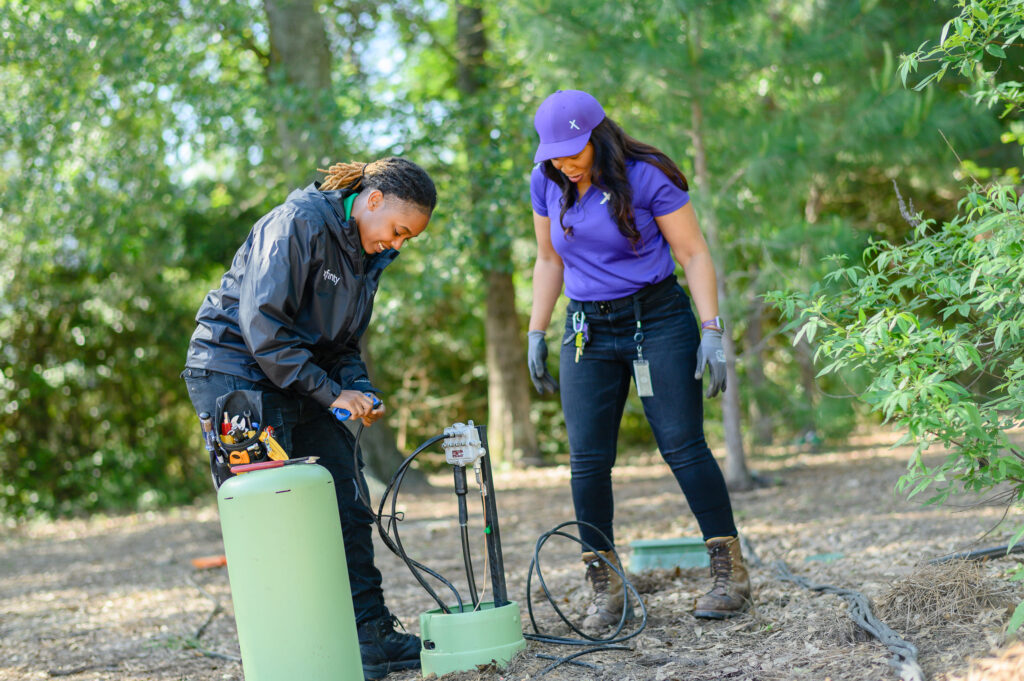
(386,627)
(721,566)
(597,575)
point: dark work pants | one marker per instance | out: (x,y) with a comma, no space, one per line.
(305,428)
(594,394)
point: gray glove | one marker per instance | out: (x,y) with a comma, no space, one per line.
(537,360)
(711,355)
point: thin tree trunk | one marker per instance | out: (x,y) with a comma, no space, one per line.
(805,358)
(511,435)
(754,355)
(514,439)
(737,477)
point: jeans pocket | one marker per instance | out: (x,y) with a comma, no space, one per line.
(274,415)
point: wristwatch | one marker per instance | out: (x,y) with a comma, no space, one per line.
(715,324)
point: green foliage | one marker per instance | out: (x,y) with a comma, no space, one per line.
(132,165)
(975,45)
(936,321)
(138,146)
(800,145)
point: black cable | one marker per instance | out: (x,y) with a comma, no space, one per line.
(979,554)
(593,644)
(460,493)
(904,653)
(393,540)
(395,546)
(572,658)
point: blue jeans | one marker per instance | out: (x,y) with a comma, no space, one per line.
(304,428)
(594,394)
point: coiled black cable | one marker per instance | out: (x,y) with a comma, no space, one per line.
(595,644)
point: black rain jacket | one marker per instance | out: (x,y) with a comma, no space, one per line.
(299,295)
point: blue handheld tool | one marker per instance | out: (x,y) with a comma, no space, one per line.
(345,414)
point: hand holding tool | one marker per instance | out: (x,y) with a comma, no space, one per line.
(537,360)
(345,414)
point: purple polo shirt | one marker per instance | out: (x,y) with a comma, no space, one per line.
(600,263)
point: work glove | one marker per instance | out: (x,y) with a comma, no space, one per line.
(711,355)
(537,360)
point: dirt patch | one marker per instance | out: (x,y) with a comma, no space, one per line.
(118,598)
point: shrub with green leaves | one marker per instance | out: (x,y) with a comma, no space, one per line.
(936,323)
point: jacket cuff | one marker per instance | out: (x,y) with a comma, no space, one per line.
(327,393)
(362,385)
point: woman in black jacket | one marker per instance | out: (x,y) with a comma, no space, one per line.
(286,321)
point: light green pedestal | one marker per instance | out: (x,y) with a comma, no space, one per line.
(684,552)
(289,580)
(460,641)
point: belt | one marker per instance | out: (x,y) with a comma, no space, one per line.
(607,306)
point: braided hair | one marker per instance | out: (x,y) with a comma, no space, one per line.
(393,176)
(612,148)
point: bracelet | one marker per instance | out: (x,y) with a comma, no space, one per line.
(712,324)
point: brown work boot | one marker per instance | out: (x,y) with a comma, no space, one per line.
(730,593)
(605,609)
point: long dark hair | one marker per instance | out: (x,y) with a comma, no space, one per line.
(612,148)
(393,176)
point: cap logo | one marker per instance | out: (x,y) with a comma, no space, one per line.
(573,126)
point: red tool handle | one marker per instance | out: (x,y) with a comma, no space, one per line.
(246,467)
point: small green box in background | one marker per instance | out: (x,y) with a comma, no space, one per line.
(684,552)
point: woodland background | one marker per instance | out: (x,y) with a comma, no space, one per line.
(139,142)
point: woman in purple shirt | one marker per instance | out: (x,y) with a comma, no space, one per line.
(609,214)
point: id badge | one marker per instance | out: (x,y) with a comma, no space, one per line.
(642,375)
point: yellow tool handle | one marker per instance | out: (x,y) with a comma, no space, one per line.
(275,451)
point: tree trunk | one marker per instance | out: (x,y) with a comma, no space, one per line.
(300,67)
(754,356)
(737,477)
(380,449)
(300,63)
(511,435)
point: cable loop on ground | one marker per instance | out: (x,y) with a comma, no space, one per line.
(592,643)
(904,653)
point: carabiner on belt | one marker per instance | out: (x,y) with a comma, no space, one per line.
(579,325)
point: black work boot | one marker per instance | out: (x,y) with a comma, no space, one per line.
(385,650)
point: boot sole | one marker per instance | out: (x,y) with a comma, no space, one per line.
(373,672)
(715,615)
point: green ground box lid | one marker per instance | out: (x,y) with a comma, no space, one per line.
(683,552)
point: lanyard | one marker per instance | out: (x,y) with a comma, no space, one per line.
(639,335)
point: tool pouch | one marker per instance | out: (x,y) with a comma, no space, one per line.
(238,405)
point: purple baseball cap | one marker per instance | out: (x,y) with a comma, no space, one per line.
(564,121)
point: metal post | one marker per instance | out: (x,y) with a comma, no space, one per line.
(493,534)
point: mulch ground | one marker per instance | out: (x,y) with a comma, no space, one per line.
(117,598)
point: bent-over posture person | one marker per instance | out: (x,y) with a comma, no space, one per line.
(286,321)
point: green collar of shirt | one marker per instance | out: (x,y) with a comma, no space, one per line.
(348,205)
